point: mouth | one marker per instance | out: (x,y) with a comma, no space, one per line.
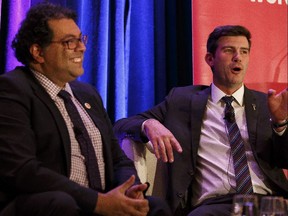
(236,69)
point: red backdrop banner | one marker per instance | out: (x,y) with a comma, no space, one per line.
(267,21)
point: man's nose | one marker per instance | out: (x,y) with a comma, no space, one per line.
(237,57)
(81,46)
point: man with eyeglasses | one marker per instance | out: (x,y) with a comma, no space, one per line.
(58,153)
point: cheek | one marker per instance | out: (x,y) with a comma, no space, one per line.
(62,59)
(53,57)
(247,62)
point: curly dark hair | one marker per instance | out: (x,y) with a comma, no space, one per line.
(226,30)
(34,29)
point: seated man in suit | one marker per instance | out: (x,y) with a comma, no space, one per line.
(59,156)
(220,140)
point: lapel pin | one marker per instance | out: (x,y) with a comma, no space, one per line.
(87,105)
(254,106)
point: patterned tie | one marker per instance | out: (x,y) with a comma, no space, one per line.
(84,141)
(242,175)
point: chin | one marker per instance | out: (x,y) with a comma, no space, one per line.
(79,72)
(75,74)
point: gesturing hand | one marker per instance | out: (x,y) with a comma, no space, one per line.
(278,105)
(162,139)
(116,203)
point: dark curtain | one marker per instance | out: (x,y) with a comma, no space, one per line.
(137,50)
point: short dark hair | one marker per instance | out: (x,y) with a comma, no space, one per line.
(34,29)
(226,30)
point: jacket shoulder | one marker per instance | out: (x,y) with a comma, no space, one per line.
(192,88)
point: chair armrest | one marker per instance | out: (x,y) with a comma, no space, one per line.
(148,168)
(144,160)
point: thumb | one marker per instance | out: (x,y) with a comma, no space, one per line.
(126,185)
(271,92)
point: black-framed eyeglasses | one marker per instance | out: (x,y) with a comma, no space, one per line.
(73,42)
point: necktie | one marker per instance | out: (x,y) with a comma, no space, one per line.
(84,141)
(242,174)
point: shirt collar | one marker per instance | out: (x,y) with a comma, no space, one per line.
(51,88)
(217,94)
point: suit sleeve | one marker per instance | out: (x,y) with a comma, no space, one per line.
(131,127)
(281,149)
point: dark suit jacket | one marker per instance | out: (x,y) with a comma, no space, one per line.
(182,113)
(35,144)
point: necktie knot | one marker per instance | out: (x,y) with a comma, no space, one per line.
(64,95)
(229,110)
(228,100)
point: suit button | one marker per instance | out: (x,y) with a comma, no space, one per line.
(179,194)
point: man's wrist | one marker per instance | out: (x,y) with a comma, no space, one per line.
(101,204)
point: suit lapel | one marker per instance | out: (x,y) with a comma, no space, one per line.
(198,107)
(40,92)
(251,110)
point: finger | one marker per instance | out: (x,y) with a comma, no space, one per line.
(156,150)
(132,210)
(140,205)
(176,145)
(126,185)
(136,191)
(162,151)
(271,92)
(139,187)
(169,151)
(143,210)
(171,145)
(136,207)
(148,186)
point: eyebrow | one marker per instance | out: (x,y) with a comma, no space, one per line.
(70,36)
(242,48)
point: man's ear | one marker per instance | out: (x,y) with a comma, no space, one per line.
(37,53)
(209,58)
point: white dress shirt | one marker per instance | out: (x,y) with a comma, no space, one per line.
(214,170)
(78,169)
